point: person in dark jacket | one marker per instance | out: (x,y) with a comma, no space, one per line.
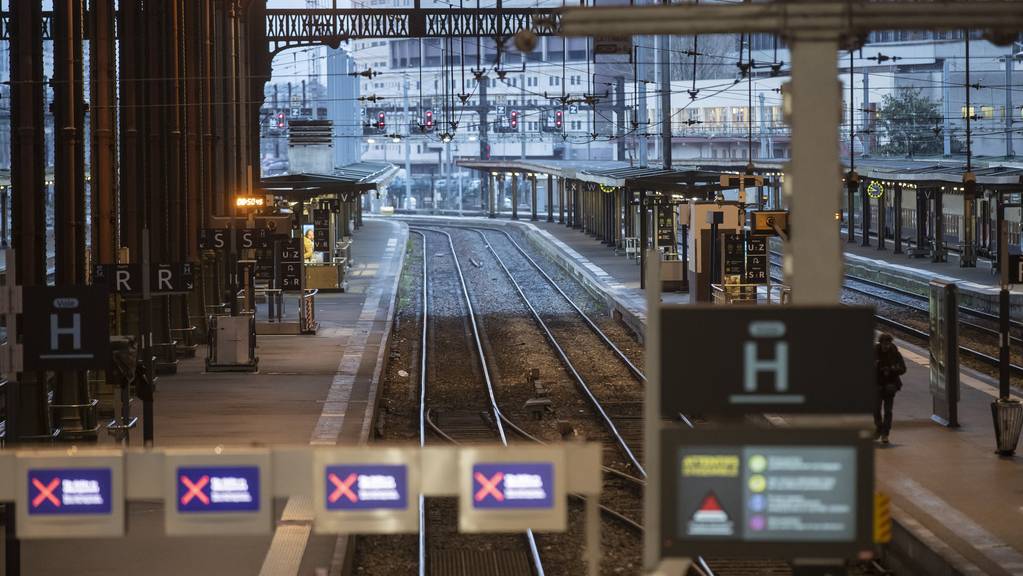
(889,366)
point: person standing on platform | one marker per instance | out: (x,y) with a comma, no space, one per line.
(889,366)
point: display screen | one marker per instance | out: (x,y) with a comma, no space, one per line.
(767,493)
(366,487)
(60,491)
(513,485)
(218,489)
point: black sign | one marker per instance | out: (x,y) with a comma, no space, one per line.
(735,255)
(666,227)
(219,238)
(163,278)
(214,239)
(734,360)
(775,492)
(1015,266)
(321,230)
(253,238)
(289,271)
(66,328)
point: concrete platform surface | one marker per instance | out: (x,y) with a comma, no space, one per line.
(316,389)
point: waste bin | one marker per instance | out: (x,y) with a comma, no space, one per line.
(1008,419)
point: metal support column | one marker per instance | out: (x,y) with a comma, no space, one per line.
(881,220)
(561,200)
(852,186)
(103,184)
(492,196)
(815,259)
(28,215)
(938,254)
(897,217)
(532,197)
(515,195)
(864,214)
(550,198)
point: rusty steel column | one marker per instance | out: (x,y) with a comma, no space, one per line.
(69,189)
(30,411)
(71,397)
(130,98)
(103,124)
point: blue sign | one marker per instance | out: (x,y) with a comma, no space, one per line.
(59,491)
(366,486)
(218,488)
(510,485)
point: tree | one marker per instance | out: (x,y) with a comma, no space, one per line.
(911,124)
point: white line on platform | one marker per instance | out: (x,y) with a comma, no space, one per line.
(991,546)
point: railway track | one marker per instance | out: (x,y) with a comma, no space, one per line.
(460,419)
(913,303)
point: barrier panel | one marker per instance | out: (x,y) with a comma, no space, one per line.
(74,493)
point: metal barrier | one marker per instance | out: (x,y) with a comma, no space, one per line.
(185,337)
(631,247)
(751,293)
(307,317)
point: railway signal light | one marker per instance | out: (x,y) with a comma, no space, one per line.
(485,152)
(381,121)
(428,121)
(558,119)
(280,119)
(513,120)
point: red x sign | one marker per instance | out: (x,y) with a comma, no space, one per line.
(195,489)
(45,492)
(488,487)
(343,487)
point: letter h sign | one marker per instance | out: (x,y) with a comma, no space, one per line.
(66,328)
(769,334)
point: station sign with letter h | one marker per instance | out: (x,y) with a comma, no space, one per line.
(70,496)
(217,492)
(362,491)
(767,359)
(512,489)
(66,328)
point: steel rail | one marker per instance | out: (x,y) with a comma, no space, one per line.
(608,422)
(621,355)
(474,322)
(892,323)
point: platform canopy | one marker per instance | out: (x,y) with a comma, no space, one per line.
(606,173)
(347,182)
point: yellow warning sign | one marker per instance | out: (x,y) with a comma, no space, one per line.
(710,465)
(882,518)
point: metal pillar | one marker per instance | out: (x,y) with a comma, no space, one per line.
(642,239)
(664,55)
(492,193)
(29,193)
(865,214)
(968,258)
(881,221)
(550,198)
(532,197)
(897,216)
(938,254)
(815,259)
(515,195)
(103,125)
(852,186)
(561,200)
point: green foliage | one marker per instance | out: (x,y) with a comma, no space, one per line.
(911,124)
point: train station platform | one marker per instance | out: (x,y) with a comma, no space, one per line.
(958,506)
(952,493)
(308,390)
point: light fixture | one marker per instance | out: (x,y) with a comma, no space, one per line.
(370,141)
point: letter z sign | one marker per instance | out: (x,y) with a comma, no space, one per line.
(66,328)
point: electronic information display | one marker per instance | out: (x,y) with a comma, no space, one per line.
(763,492)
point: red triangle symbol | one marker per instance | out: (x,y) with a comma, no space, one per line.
(710,503)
